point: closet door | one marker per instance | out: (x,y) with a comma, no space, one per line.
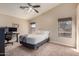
(2,39)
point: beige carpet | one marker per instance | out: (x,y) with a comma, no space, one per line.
(47,49)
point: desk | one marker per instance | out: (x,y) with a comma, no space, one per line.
(16,34)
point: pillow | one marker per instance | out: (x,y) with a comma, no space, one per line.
(40,32)
(36,32)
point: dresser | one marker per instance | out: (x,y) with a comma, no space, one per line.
(2,40)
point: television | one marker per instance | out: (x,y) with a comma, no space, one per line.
(12,29)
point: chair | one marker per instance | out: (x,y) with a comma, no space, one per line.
(8,37)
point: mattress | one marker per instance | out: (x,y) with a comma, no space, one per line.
(35,39)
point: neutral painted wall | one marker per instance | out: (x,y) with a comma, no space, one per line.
(9,20)
(77,30)
(49,21)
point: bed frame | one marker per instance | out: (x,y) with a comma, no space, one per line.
(34,46)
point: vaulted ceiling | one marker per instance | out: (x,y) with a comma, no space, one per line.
(12,9)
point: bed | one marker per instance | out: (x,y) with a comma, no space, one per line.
(34,40)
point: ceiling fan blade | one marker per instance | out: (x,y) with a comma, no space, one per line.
(29,4)
(36,6)
(23,7)
(35,10)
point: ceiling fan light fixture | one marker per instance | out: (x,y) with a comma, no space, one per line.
(30,9)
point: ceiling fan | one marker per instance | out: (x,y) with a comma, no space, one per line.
(31,6)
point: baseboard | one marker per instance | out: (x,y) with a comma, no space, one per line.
(61,44)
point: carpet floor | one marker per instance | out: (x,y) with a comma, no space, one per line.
(47,49)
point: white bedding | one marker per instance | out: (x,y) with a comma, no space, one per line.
(37,37)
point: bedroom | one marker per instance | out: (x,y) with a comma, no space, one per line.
(45,20)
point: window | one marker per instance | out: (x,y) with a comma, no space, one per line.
(65,27)
(33,26)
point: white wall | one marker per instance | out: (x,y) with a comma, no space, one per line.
(77,30)
(9,20)
(49,21)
